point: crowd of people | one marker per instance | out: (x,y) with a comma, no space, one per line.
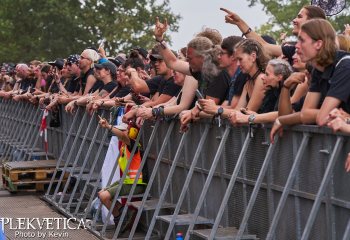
(248,79)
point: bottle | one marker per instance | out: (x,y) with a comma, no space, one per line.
(179,236)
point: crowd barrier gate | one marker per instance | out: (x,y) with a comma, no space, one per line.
(208,183)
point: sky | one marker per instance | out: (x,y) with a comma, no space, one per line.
(197,14)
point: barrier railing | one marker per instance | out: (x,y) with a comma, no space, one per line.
(211,182)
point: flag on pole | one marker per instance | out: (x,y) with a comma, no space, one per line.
(43,129)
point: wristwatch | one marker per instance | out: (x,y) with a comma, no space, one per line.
(251,119)
(220,111)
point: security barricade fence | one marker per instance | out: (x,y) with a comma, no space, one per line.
(208,183)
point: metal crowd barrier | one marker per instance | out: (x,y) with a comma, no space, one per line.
(209,183)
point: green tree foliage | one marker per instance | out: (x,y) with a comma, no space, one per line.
(47,29)
(282,12)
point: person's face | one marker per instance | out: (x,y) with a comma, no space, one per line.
(299,20)
(195,61)
(297,63)
(84,61)
(160,66)
(64,72)
(179,78)
(225,59)
(44,75)
(245,61)
(73,68)
(122,78)
(269,78)
(306,47)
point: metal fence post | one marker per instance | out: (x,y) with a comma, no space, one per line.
(255,192)
(208,181)
(187,182)
(288,186)
(60,159)
(321,190)
(166,185)
(230,186)
(152,177)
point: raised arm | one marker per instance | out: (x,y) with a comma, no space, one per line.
(233,18)
(169,57)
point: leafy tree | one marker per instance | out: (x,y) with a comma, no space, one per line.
(282,12)
(126,24)
(48,29)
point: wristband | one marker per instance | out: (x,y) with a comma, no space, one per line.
(111,127)
(247,32)
(161,111)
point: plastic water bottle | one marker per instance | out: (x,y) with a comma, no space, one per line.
(179,236)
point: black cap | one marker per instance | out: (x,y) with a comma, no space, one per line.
(59,62)
(107,65)
(143,52)
(117,61)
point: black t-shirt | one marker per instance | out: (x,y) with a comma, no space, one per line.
(73,85)
(168,87)
(109,87)
(121,92)
(270,101)
(26,83)
(288,52)
(219,86)
(153,84)
(84,77)
(334,81)
(97,86)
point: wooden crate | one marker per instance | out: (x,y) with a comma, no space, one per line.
(30,186)
(26,171)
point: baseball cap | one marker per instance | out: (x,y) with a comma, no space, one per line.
(143,52)
(59,62)
(107,65)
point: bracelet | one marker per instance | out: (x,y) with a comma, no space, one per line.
(162,44)
(111,128)
(161,40)
(247,32)
(161,111)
